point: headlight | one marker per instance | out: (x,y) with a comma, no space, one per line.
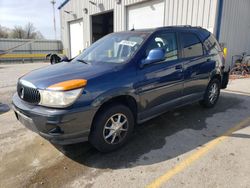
(62,94)
(59,99)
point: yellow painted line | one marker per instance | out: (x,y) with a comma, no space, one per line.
(236,92)
(195,156)
(22,55)
(10,56)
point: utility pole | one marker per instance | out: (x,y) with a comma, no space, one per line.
(53,2)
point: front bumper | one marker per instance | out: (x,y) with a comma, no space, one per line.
(59,126)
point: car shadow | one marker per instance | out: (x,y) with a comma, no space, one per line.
(4,108)
(160,139)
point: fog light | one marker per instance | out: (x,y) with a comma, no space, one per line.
(56,131)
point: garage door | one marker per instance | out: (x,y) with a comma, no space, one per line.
(145,15)
(76,37)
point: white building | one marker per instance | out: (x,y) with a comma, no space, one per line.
(85,21)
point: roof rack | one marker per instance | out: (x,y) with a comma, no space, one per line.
(190,26)
(179,26)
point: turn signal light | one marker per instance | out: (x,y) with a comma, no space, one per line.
(68,85)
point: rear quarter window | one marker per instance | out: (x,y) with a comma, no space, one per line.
(212,45)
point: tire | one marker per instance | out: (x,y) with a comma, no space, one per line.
(225,80)
(212,94)
(112,128)
(53,60)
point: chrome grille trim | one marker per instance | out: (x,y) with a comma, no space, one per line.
(27,93)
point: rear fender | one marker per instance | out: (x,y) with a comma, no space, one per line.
(216,73)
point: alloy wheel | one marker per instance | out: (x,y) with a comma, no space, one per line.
(115,129)
(213,93)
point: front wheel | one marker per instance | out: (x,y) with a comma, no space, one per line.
(212,94)
(112,128)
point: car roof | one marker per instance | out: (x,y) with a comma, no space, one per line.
(203,33)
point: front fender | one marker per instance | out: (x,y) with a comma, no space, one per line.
(110,94)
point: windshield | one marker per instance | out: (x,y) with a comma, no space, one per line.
(113,48)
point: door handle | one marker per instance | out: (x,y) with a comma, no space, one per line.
(178,67)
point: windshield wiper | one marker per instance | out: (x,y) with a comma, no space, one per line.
(82,61)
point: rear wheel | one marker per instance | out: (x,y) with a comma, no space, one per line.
(112,127)
(212,94)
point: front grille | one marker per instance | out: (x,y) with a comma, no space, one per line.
(28,94)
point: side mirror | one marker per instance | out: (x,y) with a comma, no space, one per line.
(155,55)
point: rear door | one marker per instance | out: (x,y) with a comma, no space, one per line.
(197,65)
(161,83)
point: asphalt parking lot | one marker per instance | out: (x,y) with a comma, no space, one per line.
(187,147)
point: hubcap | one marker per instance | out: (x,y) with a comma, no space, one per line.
(115,128)
(213,93)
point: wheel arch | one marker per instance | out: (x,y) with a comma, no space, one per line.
(125,99)
(216,74)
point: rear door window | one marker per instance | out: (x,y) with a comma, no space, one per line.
(191,45)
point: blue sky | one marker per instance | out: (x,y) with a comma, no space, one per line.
(38,12)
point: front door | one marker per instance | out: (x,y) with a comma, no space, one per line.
(161,83)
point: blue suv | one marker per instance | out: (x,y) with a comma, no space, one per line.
(122,79)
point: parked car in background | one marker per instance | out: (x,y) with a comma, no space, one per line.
(56,58)
(122,79)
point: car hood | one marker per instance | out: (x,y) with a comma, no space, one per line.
(47,76)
